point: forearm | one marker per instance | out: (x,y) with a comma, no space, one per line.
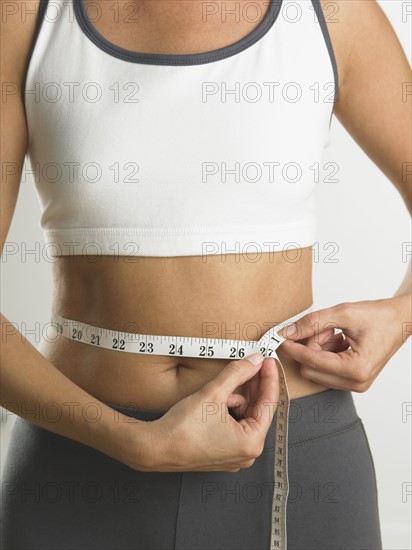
(403,298)
(406,285)
(34,389)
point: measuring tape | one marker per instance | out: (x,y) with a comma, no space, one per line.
(187,346)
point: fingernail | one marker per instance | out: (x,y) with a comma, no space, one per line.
(288,331)
(255,358)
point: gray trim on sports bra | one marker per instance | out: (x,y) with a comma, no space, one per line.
(321,18)
(176,59)
(195,58)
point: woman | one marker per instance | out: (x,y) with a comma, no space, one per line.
(155,172)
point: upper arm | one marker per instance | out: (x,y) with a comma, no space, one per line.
(17,30)
(375,91)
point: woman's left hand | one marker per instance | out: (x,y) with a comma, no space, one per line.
(372,332)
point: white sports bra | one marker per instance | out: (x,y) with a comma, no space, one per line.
(179,155)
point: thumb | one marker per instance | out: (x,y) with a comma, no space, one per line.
(233,375)
(313,325)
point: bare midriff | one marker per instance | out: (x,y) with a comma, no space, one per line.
(235,296)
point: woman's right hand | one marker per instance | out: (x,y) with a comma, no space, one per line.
(199,434)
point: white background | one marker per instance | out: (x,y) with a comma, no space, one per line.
(366,216)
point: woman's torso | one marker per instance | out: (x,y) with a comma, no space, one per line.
(173,296)
(239,296)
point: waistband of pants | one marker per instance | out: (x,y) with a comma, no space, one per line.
(311,416)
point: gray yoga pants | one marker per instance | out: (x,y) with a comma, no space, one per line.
(60,494)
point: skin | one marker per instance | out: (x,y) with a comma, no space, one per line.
(375,116)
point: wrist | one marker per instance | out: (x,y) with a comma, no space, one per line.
(123,438)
